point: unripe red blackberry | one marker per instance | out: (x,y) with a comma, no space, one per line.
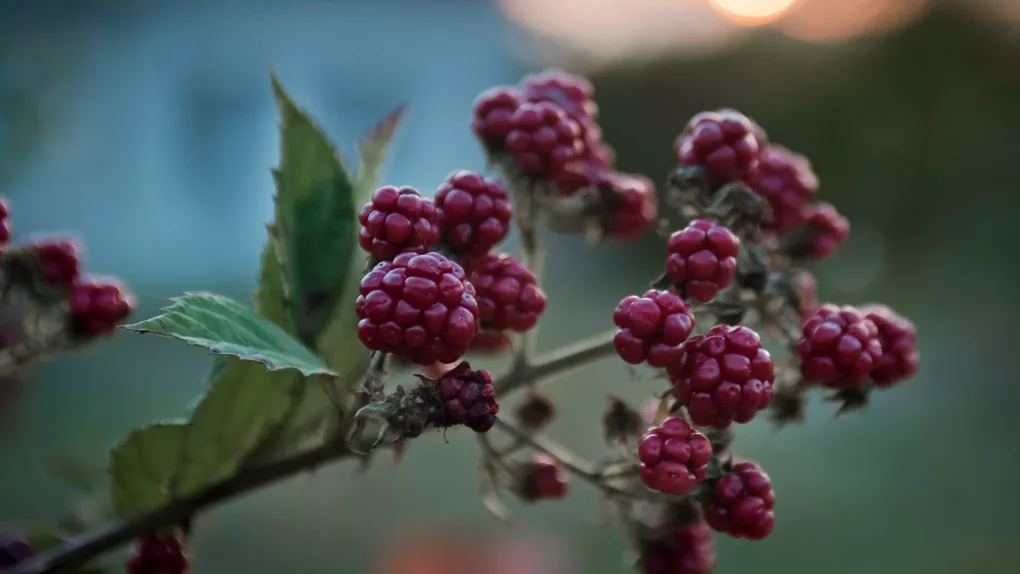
(829,230)
(572,93)
(5,226)
(474,212)
(544,140)
(508,297)
(673,457)
(397,220)
(702,258)
(653,328)
(688,549)
(156,554)
(493,110)
(786,180)
(839,347)
(628,204)
(898,337)
(14,549)
(98,305)
(724,143)
(467,399)
(741,503)
(725,376)
(419,307)
(542,479)
(60,260)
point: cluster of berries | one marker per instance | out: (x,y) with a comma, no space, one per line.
(729,147)
(97,305)
(725,376)
(546,129)
(431,306)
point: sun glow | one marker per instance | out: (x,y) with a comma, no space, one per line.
(752,12)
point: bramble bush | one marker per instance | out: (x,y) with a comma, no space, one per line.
(360,284)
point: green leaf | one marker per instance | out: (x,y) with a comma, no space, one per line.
(242,407)
(315,214)
(142,466)
(372,149)
(271,297)
(226,327)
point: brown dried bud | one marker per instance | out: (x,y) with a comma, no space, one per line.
(535,412)
(622,425)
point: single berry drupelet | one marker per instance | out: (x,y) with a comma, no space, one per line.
(688,549)
(419,307)
(725,376)
(673,457)
(98,305)
(466,398)
(724,143)
(474,212)
(493,110)
(653,328)
(508,297)
(14,549)
(702,258)
(839,347)
(828,230)
(156,554)
(544,140)
(60,260)
(898,336)
(5,225)
(628,205)
(398,220)
(542,479)
(741,503)
(785,179)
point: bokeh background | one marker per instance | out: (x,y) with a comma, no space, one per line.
(148,129)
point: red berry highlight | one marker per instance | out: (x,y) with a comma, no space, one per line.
(839,347)
(98,305)
(155,554)
(830,230)
(60,260)
(467,399)
(653,328)
(898,337)
(474,212)
(419,307)
(742,502)
(702,258)
(725,376)
(673,457)
(544,140)
(508,297)
(493,110)
(397,220)
(785,179)
(687,549)
(543,479)
(724,143)
(630,207)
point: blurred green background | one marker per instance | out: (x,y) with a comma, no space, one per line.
(148,128)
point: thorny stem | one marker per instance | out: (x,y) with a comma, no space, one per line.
(568,460)
(80,550)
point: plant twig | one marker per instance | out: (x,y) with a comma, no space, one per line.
(533,224)
(80,550)
(569,461)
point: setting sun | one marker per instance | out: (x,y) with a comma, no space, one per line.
(752,12)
